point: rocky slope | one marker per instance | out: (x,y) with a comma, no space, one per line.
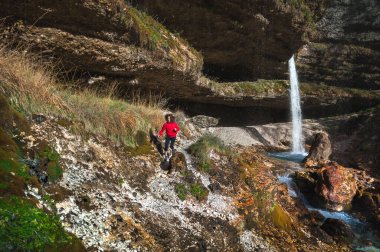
(113,199)
(347,48)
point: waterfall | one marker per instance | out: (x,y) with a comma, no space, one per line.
(297,137)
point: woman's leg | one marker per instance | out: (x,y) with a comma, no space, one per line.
(167,141)
(172,140)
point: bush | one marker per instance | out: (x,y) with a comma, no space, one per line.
(181,191)
(198,191)
(202,148)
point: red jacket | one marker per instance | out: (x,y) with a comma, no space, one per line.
(171,129)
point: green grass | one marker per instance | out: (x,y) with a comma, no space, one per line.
(33,88)
(198,191)
(23,227)
(202,148)
(181,191)
(255,88)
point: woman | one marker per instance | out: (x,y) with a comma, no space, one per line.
(171,128)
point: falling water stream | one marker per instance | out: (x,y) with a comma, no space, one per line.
(297,143)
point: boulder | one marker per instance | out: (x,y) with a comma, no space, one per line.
(367,203)
(320,150)
(178,162)
(332,187)
(337,229)
(336,187)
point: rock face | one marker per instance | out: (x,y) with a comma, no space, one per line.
(356,140)
(240,39)
(332,187)
(320,150)
(347,49)
(274,136)
(105,38)
(204,121)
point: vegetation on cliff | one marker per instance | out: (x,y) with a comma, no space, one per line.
(33,88)
(23,226)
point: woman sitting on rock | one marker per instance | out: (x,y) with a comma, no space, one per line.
(171,128)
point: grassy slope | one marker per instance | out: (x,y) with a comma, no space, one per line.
(33,89)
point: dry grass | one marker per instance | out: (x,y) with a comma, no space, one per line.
(33,88)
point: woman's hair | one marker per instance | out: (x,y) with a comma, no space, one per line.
(167,117)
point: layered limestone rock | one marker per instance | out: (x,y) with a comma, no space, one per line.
(347,49)
(106,38)
(240,40)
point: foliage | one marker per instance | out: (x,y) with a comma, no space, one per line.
(202,148)
(153,35)
(27,228)
(198,191)
(181,191)
(257,88)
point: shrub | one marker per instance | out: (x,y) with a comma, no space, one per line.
(202,148)
(181,191)
(198,191)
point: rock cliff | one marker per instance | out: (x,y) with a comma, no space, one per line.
(240,40)
(347,48)
(105,38)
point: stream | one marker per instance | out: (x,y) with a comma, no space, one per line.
(362,231)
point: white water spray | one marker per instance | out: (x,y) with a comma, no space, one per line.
(297,136)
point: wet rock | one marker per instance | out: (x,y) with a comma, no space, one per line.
(338,229)
(346,51)
(178,162)
(306,181)
(336,187)
(320,150)
(367,203)
(203,121)
(332,187)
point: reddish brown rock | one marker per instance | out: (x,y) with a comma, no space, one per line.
(333,186)
(336,187)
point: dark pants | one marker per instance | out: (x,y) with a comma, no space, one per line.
(170,140)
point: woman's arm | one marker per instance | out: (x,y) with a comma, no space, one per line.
(162,130)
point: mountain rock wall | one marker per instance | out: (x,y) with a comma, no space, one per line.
(347,48)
